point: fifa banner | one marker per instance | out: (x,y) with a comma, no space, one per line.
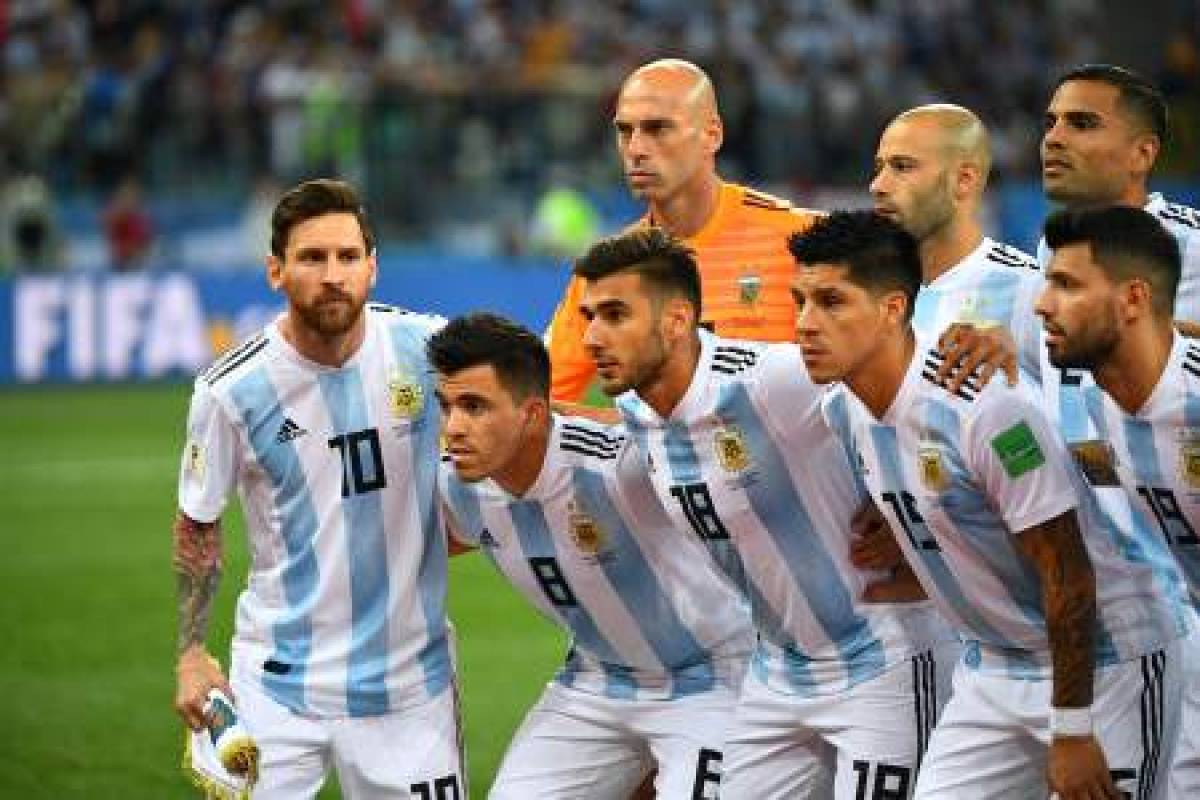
(170,325)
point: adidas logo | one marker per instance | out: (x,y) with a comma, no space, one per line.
(487,540)
(288,431)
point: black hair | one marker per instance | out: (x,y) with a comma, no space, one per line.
(878,254)
(664,263)
(517,354)
(313,199)
(1137,96)
(1126,243)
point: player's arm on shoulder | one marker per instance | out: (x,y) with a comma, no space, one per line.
(571,368)
(968,348)
(196,559)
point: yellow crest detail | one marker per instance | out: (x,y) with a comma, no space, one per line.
(932,468)
(749,288)
(732,452)
(585,531)
(405,395)
(1189,462)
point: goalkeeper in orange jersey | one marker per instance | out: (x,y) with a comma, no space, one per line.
(668,131)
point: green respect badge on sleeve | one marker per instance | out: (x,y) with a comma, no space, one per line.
(1018,450)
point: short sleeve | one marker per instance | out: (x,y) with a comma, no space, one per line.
(1027,326)
(454,530)
(788,393)
(451,489)
(208,470)
(1020,459)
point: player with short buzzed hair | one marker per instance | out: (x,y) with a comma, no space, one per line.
(564,509)
(1073,661)
(931,170)
(668,132)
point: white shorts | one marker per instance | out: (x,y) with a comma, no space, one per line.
(1185,772)
(575,745)
(415,753)
(994,733)
(862,744)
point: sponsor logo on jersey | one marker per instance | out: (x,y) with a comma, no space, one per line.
(731,449)
(488,541)
(194,460)
(1096,461)
(405,395)
(1189,457)
(932,467)
(288,431)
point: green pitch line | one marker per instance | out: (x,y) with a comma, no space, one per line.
(88,621)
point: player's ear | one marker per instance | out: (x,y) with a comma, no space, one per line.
(678,318)
(714,133)
(1145,153)
(373,267)
(275,272)
(1135,299)
(968,179)
(895,307)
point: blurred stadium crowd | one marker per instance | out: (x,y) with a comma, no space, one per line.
(457,115)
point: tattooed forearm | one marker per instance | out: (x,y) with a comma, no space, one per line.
(1069,595)
(197,563)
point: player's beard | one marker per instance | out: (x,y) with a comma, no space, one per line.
(331,316)
(1092,346)
(932,211)
(642,373)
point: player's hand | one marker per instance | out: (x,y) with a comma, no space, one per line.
(872,545)
(968,347)
(1077,770)
(901,587)
(196,673)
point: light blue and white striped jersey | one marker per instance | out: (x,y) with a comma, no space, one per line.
(959,476)
(344,609)
(747,463)
(996,284)
(590,546)
(1155,454)
(1183,223)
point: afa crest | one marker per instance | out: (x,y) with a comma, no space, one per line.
(931,466)
(731,449)
(1189,457)
(585,531)
(406,397)
(749,288)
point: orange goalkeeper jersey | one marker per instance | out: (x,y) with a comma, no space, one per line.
(745,275)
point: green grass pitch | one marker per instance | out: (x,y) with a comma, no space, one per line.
(87,609)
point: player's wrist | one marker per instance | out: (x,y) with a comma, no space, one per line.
(1071,722)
